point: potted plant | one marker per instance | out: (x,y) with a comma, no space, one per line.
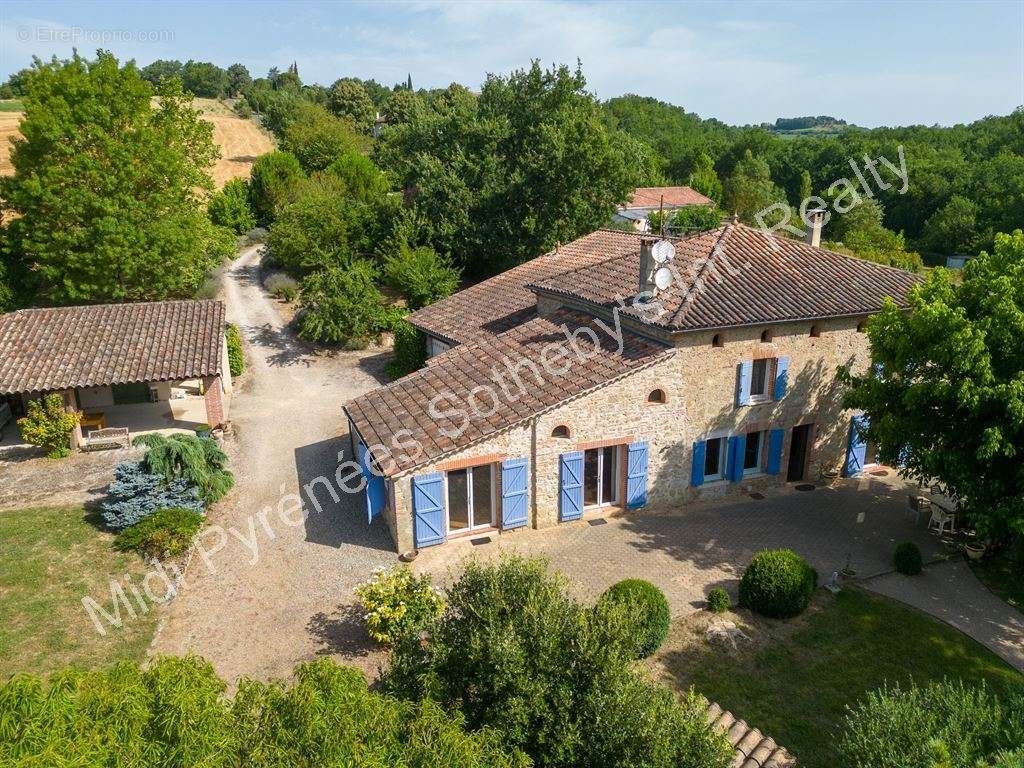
(203,430)
(975,550)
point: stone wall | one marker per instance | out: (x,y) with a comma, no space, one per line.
(699,383)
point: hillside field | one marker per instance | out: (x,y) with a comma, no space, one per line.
(240,141)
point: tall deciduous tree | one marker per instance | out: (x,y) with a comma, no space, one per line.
(750,189)
(349,99)
(108,185)
(948,394)
(238,79)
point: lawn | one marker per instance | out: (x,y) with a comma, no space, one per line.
(794,679)
(50,558)
(999,576)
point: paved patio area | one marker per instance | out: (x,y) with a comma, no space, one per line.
(856,521)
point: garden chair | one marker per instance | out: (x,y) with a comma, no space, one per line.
(916,505)
(940,519)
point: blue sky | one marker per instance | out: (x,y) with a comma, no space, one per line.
(885,63)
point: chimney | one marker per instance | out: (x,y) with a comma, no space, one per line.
(817,217)
(647,265)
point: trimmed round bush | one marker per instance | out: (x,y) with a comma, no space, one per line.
(718,600)
(647,607)
(907,559)
(778,583)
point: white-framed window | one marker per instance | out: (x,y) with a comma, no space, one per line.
(715,458)
(759,379)
(470,497)
(601,476)
(753,452)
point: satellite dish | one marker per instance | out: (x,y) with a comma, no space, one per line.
(663,278)
(663,251)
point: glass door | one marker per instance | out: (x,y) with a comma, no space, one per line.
(470,498)
(601,476)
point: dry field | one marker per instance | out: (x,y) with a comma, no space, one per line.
(240,141)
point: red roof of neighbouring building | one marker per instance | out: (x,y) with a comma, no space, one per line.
(670,197)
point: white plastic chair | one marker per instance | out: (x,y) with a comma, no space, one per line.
(940,519)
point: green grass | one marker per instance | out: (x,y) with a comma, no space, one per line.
(11,105)
(795,678)
(50,558)
(998,575)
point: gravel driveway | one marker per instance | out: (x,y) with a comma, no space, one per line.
(271,593)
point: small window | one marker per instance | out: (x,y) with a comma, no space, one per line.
(716,340)
(759,378)
(560,431)
(766,335)
(815,331)
(656,396)
(752,453)
(714,459)
(862,326)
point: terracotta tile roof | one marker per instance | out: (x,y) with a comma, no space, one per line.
(674,197)
(753,749)
(502,302)
(49,349)
(405,403)
(733,276)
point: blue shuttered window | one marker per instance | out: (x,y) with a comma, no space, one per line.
(428,509)
(636,475)
(697,472)
(775,438)
(375,494)
(514,496)
(570,486)
(744,375)
(781,377)
(734,467)
(856,447)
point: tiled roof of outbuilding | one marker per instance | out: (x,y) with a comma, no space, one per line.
(671,197)
(753,749)
(405,404)
(50,349)
(737,275)
(502,302)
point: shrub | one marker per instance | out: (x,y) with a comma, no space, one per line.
(397,602)
(718,600)
(175,713)
(198,461)
(343,306)
(360,177)
(230,207)
(48,424)
(647,609)
(316,231)
(514,652)
(165,533)
(273,176)
(777,583)
(137,493)
(410,350)
(236,357)
(282,287)
(317,138)
(965,724)
(421,275)
(907,559)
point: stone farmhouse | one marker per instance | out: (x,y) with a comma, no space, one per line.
(573,386)
(128,368)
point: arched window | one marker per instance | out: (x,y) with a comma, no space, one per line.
(862,326)
(766,335)
(560,431)
(815,331)
(656,396)
(716,340)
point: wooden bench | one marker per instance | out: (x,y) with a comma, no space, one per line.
(103,439)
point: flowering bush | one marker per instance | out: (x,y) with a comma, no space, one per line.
(397,602)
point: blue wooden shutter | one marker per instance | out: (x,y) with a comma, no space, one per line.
(570,480)
(856,448)
(744,375)
(636,475)
(775,438)
(375,492)
(697,472)
(428,509)
(513,493)
(781,377)
(737,447)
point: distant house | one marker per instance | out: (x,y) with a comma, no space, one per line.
(648,199)
(957,262)
(143,366)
